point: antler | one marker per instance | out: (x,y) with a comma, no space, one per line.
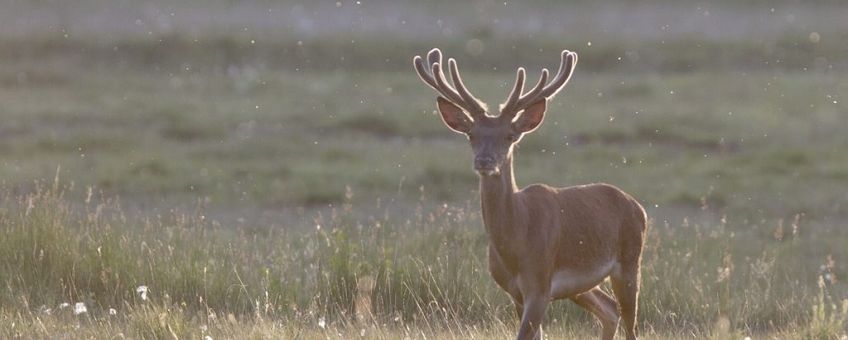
(517,101)
(433,75)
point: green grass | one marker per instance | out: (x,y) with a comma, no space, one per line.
(381,275)
(298,139)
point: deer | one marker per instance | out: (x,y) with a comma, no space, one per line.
(545,243)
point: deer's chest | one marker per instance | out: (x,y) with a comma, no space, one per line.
(503,270)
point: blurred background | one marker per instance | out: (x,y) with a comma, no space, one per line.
(269,106)
(725,115)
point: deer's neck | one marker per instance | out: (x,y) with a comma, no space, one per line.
(498,200)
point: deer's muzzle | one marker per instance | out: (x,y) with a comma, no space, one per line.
(485,165)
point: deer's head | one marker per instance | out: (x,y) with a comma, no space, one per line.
(492,137)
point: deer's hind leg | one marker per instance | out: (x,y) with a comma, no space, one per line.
(625,278)
(626,290)
(603,307)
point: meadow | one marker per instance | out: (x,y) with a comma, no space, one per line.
(192,178)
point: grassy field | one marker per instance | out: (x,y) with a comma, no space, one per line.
(266,178)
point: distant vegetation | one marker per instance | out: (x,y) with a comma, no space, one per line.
(791,51)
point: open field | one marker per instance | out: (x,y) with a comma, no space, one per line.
(301,185)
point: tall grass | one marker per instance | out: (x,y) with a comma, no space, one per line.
(379,276)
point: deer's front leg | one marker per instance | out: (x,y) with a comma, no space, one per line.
(506,281)
(534,313)
(535,289)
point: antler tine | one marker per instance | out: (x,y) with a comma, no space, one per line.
(434,56)
(516,89)
(531,96)
(424,73)
(566,67)
(527,98)
(433,75)
(542,89)
(445,88)
(474,106)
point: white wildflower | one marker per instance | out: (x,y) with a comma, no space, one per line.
(322,323)
(64,305)
(207,338)
(142,291)
(112,311)
(80,308)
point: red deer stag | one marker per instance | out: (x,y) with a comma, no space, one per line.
(545,243)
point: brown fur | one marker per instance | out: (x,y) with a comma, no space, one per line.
(548,243)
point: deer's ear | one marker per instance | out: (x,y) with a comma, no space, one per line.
(453,116)
(531,118)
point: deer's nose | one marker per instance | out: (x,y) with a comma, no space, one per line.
(484,162)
